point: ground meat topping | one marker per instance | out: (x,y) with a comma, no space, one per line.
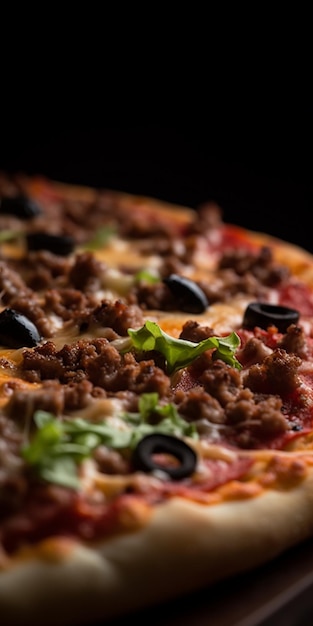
(156,296)
(193,331)
(118,316)
(11,284)
(97,361)
(294,341)
(221,381)
(239,271)
(13,483)
(86,273)
(277,374)
(69,303)
(52,397)
(262,266)
(253,351)
(201,404)
(43,268)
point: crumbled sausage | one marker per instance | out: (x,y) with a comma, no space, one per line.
(197,404)
(277,374)
(97,361)
(193,331)
(13,483)
(69,303)
(221,381)
(155,296)
(86,273)
(118,316)
(261,265)
(253,351)
(11,283)
(294,340)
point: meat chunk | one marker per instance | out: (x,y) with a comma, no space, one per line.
(221,381)
(277,374)
(97,361)
(254,351)
(262,265)
(193,331)
(86,273)
(117,316)
(294,341)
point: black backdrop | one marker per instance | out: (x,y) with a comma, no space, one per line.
(263,182)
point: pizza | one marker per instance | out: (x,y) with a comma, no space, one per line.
(156,400)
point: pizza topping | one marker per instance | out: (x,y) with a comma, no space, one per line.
(16,330)
(189,297)
(20,206)
(179,353)
(277,374)
(58,447)
(294,340)
(265,315)
(145,456)
(115,415)
(59,244)
(259,264)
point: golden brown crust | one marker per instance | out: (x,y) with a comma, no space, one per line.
(136,570)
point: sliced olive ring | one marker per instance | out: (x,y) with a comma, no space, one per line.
(17,331)
(264,315)
(20,206)
(161,443)
(190,297)
(58,244)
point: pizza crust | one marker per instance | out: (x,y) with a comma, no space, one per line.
(184,547)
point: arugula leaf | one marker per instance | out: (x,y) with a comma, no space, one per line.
(179,353)
(101,237)
(9,235)
(146,276)
(169,421)
(58,447)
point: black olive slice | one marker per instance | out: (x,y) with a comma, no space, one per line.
(159,442)
(264,315)
(190,297)
(17,331)
(58,244)
(20,206)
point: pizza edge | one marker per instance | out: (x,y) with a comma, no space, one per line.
(184,547)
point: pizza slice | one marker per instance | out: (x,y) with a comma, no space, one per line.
(156,400)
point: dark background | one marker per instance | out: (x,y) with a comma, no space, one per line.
(260,175)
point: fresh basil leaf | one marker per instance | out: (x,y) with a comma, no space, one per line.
(179,353)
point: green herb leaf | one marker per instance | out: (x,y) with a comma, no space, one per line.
(8,235)
(101,237)
(60,470)
(58,447)
(146,276)
(179,353)
(168,420)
